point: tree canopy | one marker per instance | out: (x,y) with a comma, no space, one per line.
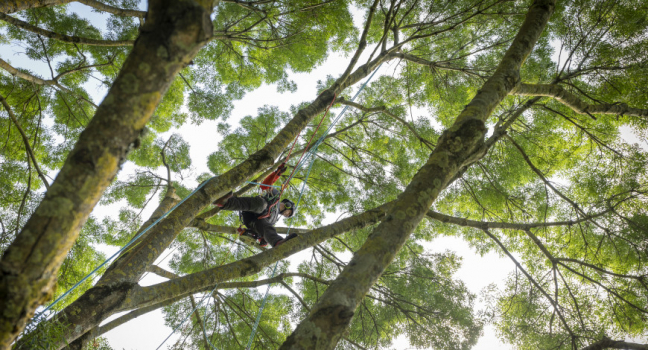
(509,125)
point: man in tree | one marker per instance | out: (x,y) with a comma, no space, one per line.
(260,213)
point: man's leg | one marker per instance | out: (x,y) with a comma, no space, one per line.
(264,227)
(251,204)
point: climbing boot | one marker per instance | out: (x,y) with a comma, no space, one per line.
(262,242)
(289,237)
(220,202)
(246,233)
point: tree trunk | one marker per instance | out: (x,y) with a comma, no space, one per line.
(30,264)
(456,148)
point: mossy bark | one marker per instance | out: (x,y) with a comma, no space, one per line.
(456,148)
(173,34)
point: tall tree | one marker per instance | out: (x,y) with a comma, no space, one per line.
(537,100)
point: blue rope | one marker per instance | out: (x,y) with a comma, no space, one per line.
(310,155)
(256,183)
(186,317)
(117,253)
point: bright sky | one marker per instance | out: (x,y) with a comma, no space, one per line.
(148,331)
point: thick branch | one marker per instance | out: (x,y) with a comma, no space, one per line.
(31,78)
(202,225)
(576,104)
(11,6)
(62,37)
(36,80)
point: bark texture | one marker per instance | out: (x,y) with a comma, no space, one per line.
(173,34)
(456,148)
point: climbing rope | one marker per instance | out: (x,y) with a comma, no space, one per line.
(306,156)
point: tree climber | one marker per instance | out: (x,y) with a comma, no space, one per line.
(260,213)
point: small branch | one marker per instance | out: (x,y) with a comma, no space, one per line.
(62,37)
(600,270)
(28,148)
(383,109)
(436,65)
(505,225)
(361,45)
(283,283)
(169,183)
(544,179)
(56,78)
(583,129)
(532,280)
